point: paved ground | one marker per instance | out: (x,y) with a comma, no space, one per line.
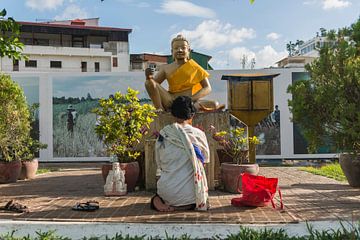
(306,197)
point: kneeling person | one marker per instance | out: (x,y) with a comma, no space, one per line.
(181,152)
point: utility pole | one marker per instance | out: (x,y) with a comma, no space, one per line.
(244,61)
(253,61)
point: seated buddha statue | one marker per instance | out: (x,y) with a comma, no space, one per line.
(185,78)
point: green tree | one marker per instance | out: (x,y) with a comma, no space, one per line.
(327,106)
(14,120)
(294,48)
(122,122)
(10,44)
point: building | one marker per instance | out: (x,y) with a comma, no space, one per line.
(139,62)
(309,48)
(79,45)
(294,61)
(200,58)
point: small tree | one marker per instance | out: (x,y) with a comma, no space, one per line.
(14,120)
(327,106)
(121,123)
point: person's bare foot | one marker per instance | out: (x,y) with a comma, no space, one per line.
(160,205)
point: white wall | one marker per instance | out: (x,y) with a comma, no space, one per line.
(68,64)
(120,81)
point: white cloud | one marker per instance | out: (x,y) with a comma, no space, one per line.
(142,5)
(42,5)
(72,12)
(232,59)
(329,4)
(185,9)
(273,36)
(135,3)
(332,4)
(212,33)
(267,56)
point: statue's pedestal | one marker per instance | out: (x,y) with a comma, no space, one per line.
(220,120)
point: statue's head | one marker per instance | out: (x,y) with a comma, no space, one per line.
(180,47)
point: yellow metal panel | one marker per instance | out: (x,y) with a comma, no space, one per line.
(261,97)
(250,118)
(240,96)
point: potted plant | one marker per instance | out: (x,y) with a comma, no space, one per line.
(327,106)
(235,145)
(29,161)
(121,122)
(14,128)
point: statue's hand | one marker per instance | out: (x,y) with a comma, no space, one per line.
(149,73)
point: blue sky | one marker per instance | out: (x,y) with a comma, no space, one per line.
(223,29)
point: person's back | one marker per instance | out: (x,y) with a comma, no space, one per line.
(176,183)
(183,180)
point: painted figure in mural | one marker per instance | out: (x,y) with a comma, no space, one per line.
(185,78)
(181,151)
(277,115)
(71,118)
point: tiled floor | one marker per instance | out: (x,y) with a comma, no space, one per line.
(306,197)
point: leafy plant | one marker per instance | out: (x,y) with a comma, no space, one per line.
(33,145)
(10,44)
(235,143)
(327,106)
(14,120)
(122,122)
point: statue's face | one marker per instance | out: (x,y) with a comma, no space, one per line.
(180,50)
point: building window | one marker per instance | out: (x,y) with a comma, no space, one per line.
(41,42)
(152,65)
(55,64)
(137,66)
(16,65)
(78,41)
(84,66)
(97,67)
(31,63)
(115,62)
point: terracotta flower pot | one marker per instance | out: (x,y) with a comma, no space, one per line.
(132,171)
(231,171)
(28,169)
(350,164)
(9,171)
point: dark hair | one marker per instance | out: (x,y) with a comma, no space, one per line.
(183,108)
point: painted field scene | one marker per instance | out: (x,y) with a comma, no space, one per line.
(74,98)
(74,133)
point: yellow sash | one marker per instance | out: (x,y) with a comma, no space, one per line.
(187,76)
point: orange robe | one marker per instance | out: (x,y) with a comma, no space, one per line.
(187,76)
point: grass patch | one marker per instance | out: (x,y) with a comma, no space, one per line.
(46,170)
(330,170)
(343,233)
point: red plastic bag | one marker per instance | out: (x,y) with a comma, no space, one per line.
(257,191)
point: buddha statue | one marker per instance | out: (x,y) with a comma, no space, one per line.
(185,78)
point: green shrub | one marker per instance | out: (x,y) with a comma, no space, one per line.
(14,120)
(121,120)
(327,106)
